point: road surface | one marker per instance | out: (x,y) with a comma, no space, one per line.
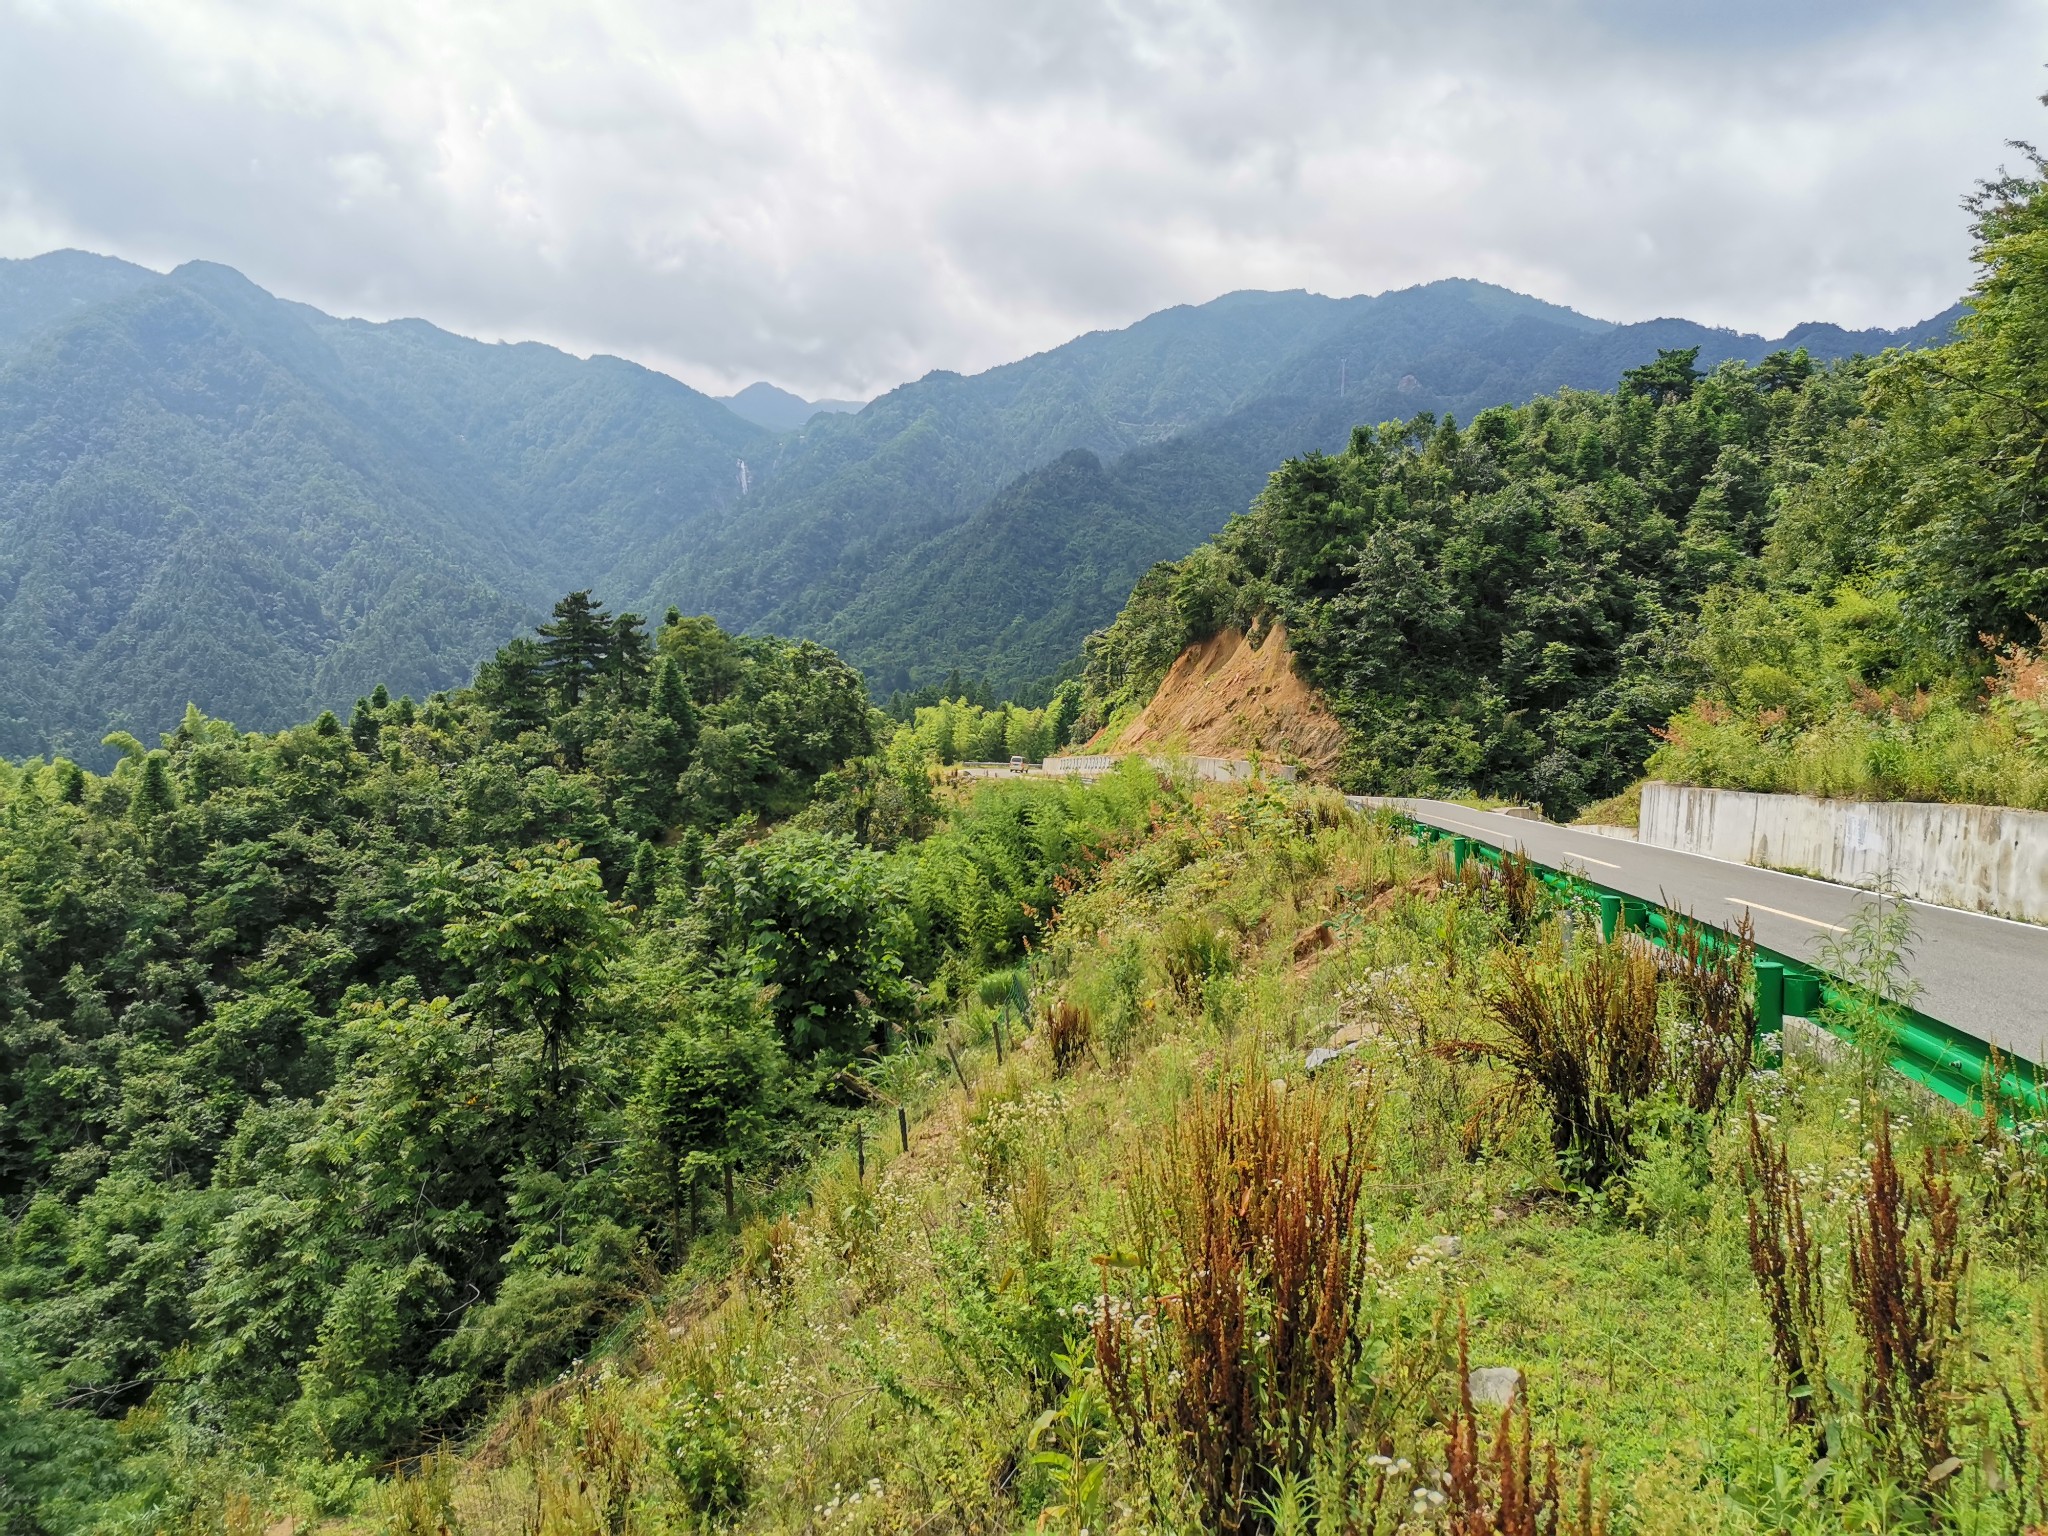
(1984,975)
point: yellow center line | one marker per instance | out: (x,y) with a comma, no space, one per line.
(1757,906)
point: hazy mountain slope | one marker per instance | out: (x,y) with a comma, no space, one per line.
(49,290)
(777,409)
(1010,593)
(207,494)
(182,518)
(851,494)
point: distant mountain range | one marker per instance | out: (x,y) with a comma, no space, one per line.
(780,411)
(211,494)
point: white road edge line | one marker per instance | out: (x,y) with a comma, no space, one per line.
(1493,832)
(1757,906)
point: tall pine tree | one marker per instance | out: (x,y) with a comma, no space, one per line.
(514,687)
(574,645)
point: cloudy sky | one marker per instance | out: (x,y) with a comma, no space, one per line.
(839,196)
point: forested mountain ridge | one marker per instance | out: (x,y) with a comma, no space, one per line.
(780,411)
(208,495)
(211,495)
(1011,604)
(1794,575)
(40,293)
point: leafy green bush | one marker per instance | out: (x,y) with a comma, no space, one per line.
(706,1457)
(1817,697)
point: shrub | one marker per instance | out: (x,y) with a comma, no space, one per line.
(705,1456)
(1257,1195)
(421,1501)
(1713,1043)
(1191,952)
(1903,1294)
(1069,1035)
(1498,1491)
(1586,1040)
(1786,1263)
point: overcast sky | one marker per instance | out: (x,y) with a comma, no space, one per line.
(840,196)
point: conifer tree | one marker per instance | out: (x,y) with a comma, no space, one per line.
(644,880)
(1671,377)
(154,794)
(362,727)
(513,686)
(574,645)
(1061,714)
(629,653)
(703,1100)
(672,702)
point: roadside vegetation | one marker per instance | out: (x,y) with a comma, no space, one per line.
(1295,1184)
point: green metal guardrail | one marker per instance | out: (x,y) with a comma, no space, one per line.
(1939,1057)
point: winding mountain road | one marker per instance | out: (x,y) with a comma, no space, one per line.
(1985,975)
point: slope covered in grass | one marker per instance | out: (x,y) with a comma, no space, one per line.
(1148,1273)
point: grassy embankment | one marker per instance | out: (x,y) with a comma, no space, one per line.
(1148,1274)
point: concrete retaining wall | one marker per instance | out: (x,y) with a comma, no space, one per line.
(1225,770)
(1982,858)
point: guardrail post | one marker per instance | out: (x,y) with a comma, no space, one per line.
(1770,997)
(1802,994)
(1610,916)
(1460,848)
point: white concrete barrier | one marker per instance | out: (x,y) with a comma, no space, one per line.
(1224,770)
(1982,858)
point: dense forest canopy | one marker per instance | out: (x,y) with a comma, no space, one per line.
(357,1072)
(1505,606)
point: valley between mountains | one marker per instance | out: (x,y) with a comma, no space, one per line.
(212,495)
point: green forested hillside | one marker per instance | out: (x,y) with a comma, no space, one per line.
(892,516)
(1007,592)
(356,1073)
(35,295)
(1890,643)
(209,495)
(1843,563)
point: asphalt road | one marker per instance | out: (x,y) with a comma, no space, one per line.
(1985,975)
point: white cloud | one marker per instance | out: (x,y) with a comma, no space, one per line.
(839,196)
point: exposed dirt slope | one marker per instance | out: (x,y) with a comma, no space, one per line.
(1229,696)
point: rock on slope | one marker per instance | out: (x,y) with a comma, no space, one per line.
(1232,695)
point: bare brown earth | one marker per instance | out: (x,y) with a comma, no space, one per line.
(1230,696)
